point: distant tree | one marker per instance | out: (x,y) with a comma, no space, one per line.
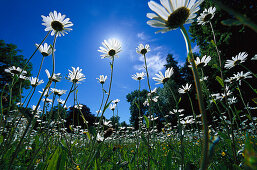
(139,98)
(9,56)
(74,117)
(115,121)
(124,124)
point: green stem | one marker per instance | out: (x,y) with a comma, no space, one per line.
(205,147)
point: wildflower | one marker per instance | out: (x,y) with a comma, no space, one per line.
(46,92)
(99,138)
(160,77)
(206,16)
(223,154)
(141,49)
(175,111)
(241,75)
(116,101)
(34,81)
(138,76)
(107,123)
(155,99)
(232,100)
(58,92)
(55,78)
(172,13)
(108,132)
(45,49)
(254,57)
(240,58)
(110,48)
(185,88)
(75,75)
(202,62)
(152,92)
(102,79)
(57,23)
(47,100)
(112,107)
(204,78)
(15,71)
(146,103)
(78,106)
(60,101)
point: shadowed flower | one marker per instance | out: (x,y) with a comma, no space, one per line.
(78,106)
(163,79)
(202,62)
(58,91)
(254,57)
(185,88)
(172,13)
(110,48)
(45,49)
(57,23)
(99,137)
(206,16)
(141,49)
(55,78)
(241,75)
(34,81)
(15,71)
(75,75)
(116,101)
(112,107)
(60,101)
(240,58)
(102,79)
(138,76)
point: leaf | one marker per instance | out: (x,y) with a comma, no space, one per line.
(1,139)
(137,106)
(220,81)
(168,160)
(52,163)
(106,106)
(179,100)
(254,100)
(231,22)
(146,121)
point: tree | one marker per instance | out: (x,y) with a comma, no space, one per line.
(9,56)
(137,98)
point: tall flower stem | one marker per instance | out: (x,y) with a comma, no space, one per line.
(205,147)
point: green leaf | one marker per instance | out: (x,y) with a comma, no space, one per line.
(168,160)
(106,106)
(1,139)
(179,100)
(137,106)
(231,22)
(53,161)
(254,100)
(146,121)
(220,81)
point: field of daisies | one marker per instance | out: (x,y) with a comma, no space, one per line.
(218,132)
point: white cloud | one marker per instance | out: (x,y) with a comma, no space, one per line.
(155,63)
(142,36)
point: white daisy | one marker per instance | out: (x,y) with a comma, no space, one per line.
(116,101)
(58,91)
(202,62)
(241,75)
(138,76)
(47,100)
(172,13)
(204,78)
(102,79)
(46,94)
(15,71)
(55,78)
(99,137)
(232,100)
(112,107)
(34,81)
(163,79)
(141,49)
(60,101)
(185,88)
(240,58)
(110,48)
(78,106)
(206,16)
(75,75)
(174,111)
(57,23)
(254,57)
(45,49)
(152,92)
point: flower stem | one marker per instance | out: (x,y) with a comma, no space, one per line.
(205,147)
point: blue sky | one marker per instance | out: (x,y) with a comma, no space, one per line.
(94,21)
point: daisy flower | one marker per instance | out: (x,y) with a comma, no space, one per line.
(141,49)
(152,92)
(174,111)
(55,78)
(240,58)
(60,101)
(46,92)
(138,76)
(102,79)
(34,81)
(116,101)
(202,62)
(75,75)
(45,49)
(99,137)
(110,48)
(47,100)
(163,79)
(78,106)
(112,107)
(254,57)
(15,71)
(58,91)
(185,88)
(241,75)
(172,13)
(57,23)
(206,16)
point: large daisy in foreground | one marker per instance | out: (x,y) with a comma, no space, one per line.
(57,23)
(110,48)
(172,13)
